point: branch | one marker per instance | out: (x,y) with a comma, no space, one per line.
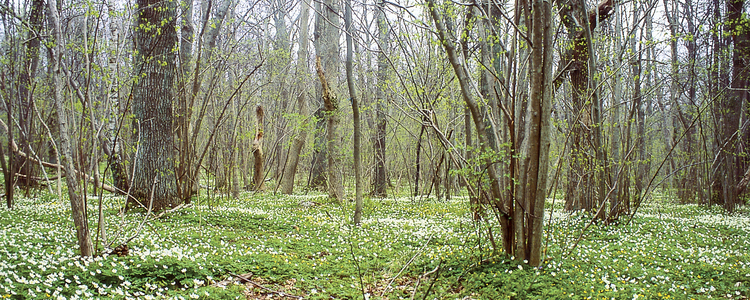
(282,294)
(14,148)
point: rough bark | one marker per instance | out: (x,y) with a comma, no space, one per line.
(335,184)
(153,93)
(326,42)
(30,62)
(257,149)
(77,203)
(586,177)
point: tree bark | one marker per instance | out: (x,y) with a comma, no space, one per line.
(153,94)
(461,74)
(335,184)
(290,170)
(77,203)
(538,127)
(257,148)
(326,41)
(30,61)
(380,181)
(355,114)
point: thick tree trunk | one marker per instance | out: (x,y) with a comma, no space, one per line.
(327,48)
(153,94)
(30,61)
(77,203)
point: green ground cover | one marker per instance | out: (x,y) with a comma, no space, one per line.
(406,248)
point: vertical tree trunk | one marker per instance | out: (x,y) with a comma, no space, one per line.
(77,203)
(503,207)
(21,164)
(380,105)
(257,148)
(290,170)
(335,184)
(153,94)
(185,149)
(736,96)
(7,178)
(538,127)
(327,48)
(355,114)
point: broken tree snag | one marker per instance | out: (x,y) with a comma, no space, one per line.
(257,149)
(328,102)
(333,137)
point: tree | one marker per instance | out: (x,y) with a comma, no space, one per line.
(290,170)
(381,178)
(77,203)
(355,113)
(155,37)
(257,149)
(30,62)
(586,186)
(326,44)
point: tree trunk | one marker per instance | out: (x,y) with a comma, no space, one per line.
(153,94)
(290,170)
(7,178)
(25,94)
(538,128)
(495,194)
(355,114)
(77,203)
(257,148)
(380,105)
(736,97)
(327,48)
(335,184)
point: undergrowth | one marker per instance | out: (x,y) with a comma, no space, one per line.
(406,248)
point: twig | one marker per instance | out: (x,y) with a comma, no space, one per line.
(437,269)
(282,294)
(405,266)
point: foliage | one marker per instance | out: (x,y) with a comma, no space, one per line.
(302,245)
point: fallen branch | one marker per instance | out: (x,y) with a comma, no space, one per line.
(244,279)
(163,212)
(14,148)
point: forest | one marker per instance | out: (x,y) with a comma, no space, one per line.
(393,149)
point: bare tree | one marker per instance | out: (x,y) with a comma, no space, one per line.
(77,203)
(290,170)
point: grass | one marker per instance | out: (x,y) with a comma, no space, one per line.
(405,249)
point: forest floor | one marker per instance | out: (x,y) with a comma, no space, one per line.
(264,246)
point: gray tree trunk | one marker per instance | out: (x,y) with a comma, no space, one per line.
(77,203)
(153,94)
(380,182)
(290,170)
(355,114)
